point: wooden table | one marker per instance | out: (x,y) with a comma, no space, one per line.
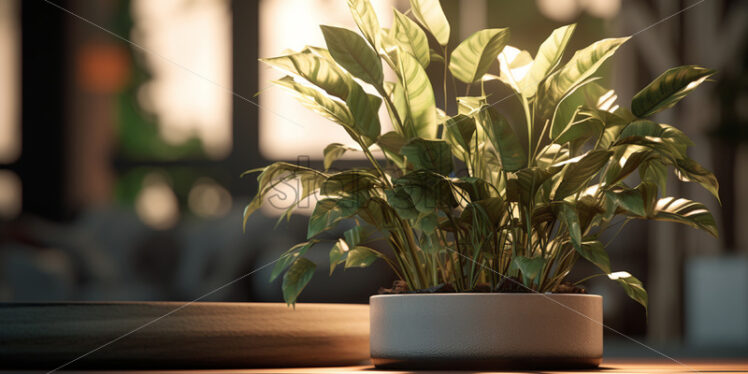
(609,366)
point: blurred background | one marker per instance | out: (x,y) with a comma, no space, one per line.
(125,126)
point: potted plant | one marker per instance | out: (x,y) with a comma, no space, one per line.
(485,217)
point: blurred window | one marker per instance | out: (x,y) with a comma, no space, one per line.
(184,84)
(10,107)
(10,131)
(175,117)
(288,129)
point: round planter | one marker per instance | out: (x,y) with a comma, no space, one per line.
(486,331)
(173,335)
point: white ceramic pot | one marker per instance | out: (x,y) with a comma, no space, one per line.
(486,331)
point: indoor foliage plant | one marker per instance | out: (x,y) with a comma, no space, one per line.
(468,200)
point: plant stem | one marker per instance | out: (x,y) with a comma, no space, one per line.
(540,140)
(445,80)
(404,227)
(397,247)
(528,219)
(376,165)
(392,109)
(588,278)
(388,261)
(459,265)
(405,231)
(528,119)
(413,247)
(618,232)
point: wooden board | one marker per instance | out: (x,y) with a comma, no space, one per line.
(616,366)
(611,366)
(170,335)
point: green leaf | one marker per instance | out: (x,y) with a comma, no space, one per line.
(419,97)
(400,201)
(655,172)
(431,244)
(474,56)
(637,201)
(320,52)
(594,252)
(459,133)
(433,155)
(591,208)
(391,141)
(280,172)
(642,128)
(435,56)
(411,38)
(567,111)
(551,154)
(296,278)
(349,183)
(580,130)
(389,45)
(376,212)
(632,286)
(316,70)
(548,57)
(613,123)
(362,117)
(488,210)
(530,267)
(430,14)
(338,254)
(326,214)
(513,66)
(366,20)
(427,222)
(353,54)
(645,127)
(522,185)
(686,212)
(476,188)
(689,170)
(565,114)
(677,137)
(285,260)
(333,152)
(364,108)
(249,209)
(665,139)
(669,88)
(582,65)
(319,102)
(578,171)
(441,116)
(396,93)
(353,236)
(568,215)
(427,190)
(629,161)
(649,196)
(504,140)
(360,257)
(470,105)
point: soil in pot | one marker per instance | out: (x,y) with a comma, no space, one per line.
(514,286)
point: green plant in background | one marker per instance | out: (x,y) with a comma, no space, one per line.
(524,208)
